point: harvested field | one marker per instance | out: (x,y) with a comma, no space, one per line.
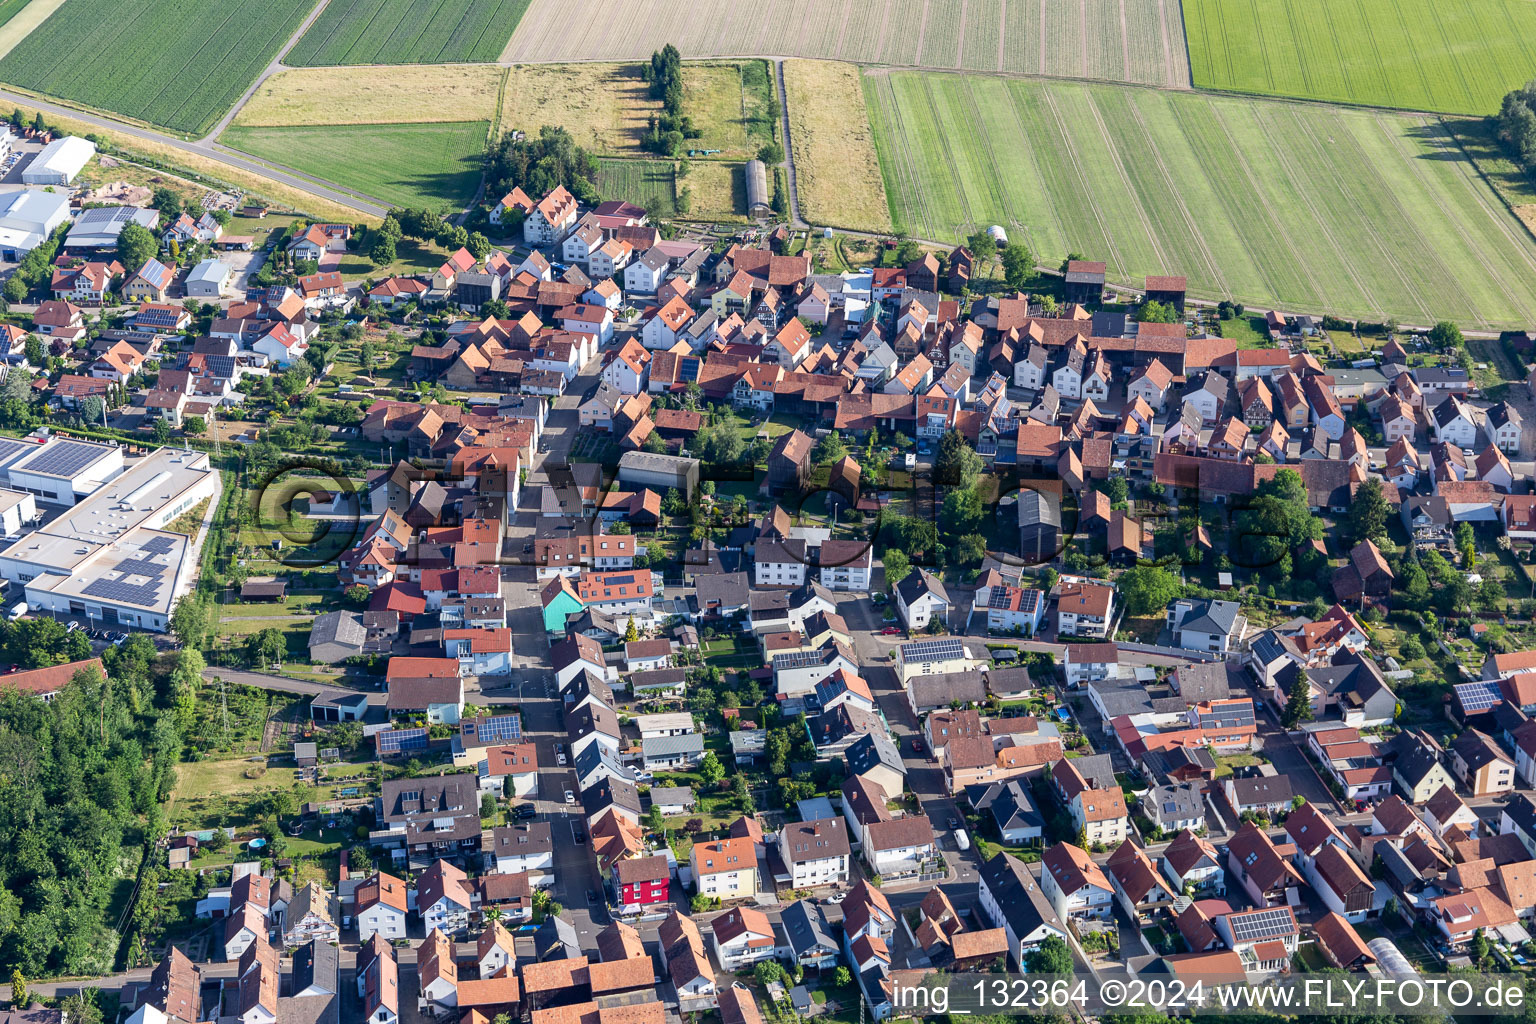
(417,94)
(1449,56)
(1365,213)
(607,107)
(436,166)
(167,63)
(647,183)
(1138,41)
(837,171)
(408,32)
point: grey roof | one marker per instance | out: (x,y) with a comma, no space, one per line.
(317,963)
(922,582)
(1178,802)
(593,756)
(556,939)
(815,840)
(338,698)
(610,792)
(1415,758)
(1262,789)
(1449,409)
(1013,807)
(1121,697)
(1522,814)
(1037,509)
(1208,616)
(1018,896)
(1098,770)
(872,750)
(667,746)
(806,927)
(749,741)
(338,628)
(730,590)
(671,795)
(939,689)
(1204,680)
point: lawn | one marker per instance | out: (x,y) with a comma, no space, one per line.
(419,165)
(408,32)
(640,182)
(1361,213)
(1138,41)
(1452,56)
(173,64)
(717,191)
(836,169)
(1247,332)
(607,108)
(418,94)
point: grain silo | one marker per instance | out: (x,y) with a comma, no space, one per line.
(758,204)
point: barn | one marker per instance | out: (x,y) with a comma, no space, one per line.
(758,204)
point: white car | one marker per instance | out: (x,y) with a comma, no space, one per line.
(837,897)
(570,797)
(910,461)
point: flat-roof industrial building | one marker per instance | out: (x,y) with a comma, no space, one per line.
(109,558)
(27,218)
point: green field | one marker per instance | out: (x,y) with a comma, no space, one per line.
(1450,56)
(169,63)
(10,8)
(429,165)
(638,181)
(1300,206)
(408,32)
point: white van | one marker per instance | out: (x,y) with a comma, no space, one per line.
(18,611)
(962,840)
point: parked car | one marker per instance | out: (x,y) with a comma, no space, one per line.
(837,897)
(910,461)
(570,797)
(891,631)
(525,811)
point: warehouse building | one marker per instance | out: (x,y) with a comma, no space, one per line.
(57,470)
(659,472)
(209,279)
(59,161)
(99,227)
(27,218)
(109,558)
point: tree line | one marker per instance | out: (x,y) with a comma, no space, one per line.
(1517,125)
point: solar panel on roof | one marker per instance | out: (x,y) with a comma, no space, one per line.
(932,650)
(500,729)
(1260,924)
(395,741)
(159,545)
(65,458)
(1478,696)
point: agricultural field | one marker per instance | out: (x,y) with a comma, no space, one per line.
(1364,213)
(1478,139)
(836,170)
(648,183)
(607,107)
(717,191)
(408,32)
(419,165)
(19,17)
(1139,41)
(417,94)
(167,63)
(1447,56)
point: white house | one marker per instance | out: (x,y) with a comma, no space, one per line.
(1454,422)
(379,907)
(742,937)
(551,219)
(815,852)
(921,598)
(1077,887)
(442,897)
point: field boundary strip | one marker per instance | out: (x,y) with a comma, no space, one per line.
(25,22)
